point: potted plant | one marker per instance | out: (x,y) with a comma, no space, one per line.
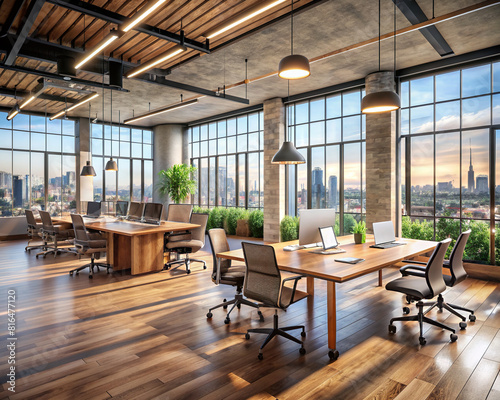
(176,182)
(359,230)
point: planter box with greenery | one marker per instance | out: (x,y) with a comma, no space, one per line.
(289,228)
(256,223)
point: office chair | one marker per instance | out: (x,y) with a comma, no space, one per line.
(34,232)
(263,283)
(187,247)
(417,288)
(88,243)
(225,273)
(54,234)
(178,213)
(458,274)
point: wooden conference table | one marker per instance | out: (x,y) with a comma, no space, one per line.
(133,245)
(318,266)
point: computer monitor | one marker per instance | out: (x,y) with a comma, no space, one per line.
(135,211)
(94,209)
(310,221)
(153,212)
(383,232)
(121,208)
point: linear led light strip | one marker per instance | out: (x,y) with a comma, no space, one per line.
(148,9)
(83,101)
(245,16)
(161,111)
(12,113)
(158,60)
(113,35)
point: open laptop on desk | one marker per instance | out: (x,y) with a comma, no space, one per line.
(93,209)
(330,243)
(152,213)
(135,211)
(310,221)
(383,233)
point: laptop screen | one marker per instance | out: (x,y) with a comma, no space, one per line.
(153,211)
(135,211)
(121,208)
(383,232)
(328,237)
(94,208)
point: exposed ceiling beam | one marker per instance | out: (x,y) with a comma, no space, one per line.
(160,80)
(33,10)
(12,16)
(20,93)
(59,77)
(118,19)
(413,13)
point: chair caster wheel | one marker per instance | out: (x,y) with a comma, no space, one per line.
(303,334)
(209,315)
(260,356)
(406,310)
(472,318)
(204,267)
(91,276)
(227,321)
(188,271)
(247,336)
(333,354)
(261,316)
(224,307)
(422,340)
(453,337)
(302,351)
(238,306)
(462,325)
(392,328)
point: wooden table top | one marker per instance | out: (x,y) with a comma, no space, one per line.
(131,228)
(325,267)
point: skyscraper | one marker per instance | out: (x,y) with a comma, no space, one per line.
(470,174)
(482,184)
(18,190)
(317,188)
(332,191)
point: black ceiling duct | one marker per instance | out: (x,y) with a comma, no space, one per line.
(66,66)
(115,74)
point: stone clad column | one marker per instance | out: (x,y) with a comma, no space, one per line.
(274,175)
(82,137)
(381,199)
(170,147)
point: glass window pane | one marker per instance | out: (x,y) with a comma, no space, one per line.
(317,109)
(136,135)
(448,116)
(107,131)
(476,81)
(37,123)
(147,137)
(115,133)
(97,163)
(422,175)
(261,176)
(496,109)
(22,140)
(302,112)
(123,179)
(196,133)
(332,176)
(253,122)
(136,180)
(96,130)
(204,182)
(6,138)
(136,150)
(221,128)
(231,144)
(405,121)
(54,143)
(204,148)
(302,182)
(212,147)
(148,181)
(496,77)
(422,119)
(54,126)
(317,133)
(222,179)
(68,127)
(195,149)
(221,146)
(242,124)
(97,147)
(402,150)
(253,180)
(107,148)
(422,91)
(405,94)
(448,175)
(5,183)
(476,111)
(231,181)
(352,178)
(125,134)
(68,144)
(212,130)
(37,181)
(242,143)
(302,135)
(231,126)
(68,184)
(115,148)
(351,103)
(290,114)
(54,185)
(351,128)
(318,190)
(125,149)
(20,182)
(196,177)
(110,177)
(22,122)
(212,180)
(448,86)
(253,141)
(4,123)
(147,151)
(241,179)
(38,141)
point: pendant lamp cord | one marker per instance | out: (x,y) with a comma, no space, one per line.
(379,35)
(291,28)
(394,38)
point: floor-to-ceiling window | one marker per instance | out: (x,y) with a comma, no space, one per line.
(37,165)
(449,126)
(229,160)
(329,131)
(133,151)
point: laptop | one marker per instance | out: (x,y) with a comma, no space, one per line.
(121,209)
(152,213)
(93,209)
(383,233)
(329,241)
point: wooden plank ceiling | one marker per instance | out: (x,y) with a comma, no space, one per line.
(58,25)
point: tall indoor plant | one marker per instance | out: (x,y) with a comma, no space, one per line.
(176,182)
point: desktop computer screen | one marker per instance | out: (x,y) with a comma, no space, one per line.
(135,211)
(94,209)
(311,221)
(153,212)
(121,208)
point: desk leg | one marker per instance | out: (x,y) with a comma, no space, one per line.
(110,249)
(310,285)
(332,321)
(380,277)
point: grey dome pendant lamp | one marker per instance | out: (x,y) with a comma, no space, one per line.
(294,66)
(387,100)
(288,154)
(111,165)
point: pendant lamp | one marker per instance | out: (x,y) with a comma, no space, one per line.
(111,165)
(387,100)
(88,170)
(294,66)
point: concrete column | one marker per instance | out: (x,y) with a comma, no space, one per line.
(82,133)
(381,200)
(274,175)
(171,146)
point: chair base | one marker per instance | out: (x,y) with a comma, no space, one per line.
(236,302)
(29,247)
(421,318)
(90,266)
(56,251)
(276,331)
(440,304)
(186,261)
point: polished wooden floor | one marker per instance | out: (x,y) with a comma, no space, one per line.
(145,337)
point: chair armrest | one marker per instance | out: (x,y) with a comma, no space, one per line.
(413,270)
(294,278)
(414,262)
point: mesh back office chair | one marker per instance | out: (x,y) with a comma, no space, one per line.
(186,247)
(225,273)
(88,243)
(417,288)
(457,275)
(263,283)
(177,213)
(53,235)
(34,231)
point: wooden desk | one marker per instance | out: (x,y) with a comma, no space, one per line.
(318,266)
(134,245)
